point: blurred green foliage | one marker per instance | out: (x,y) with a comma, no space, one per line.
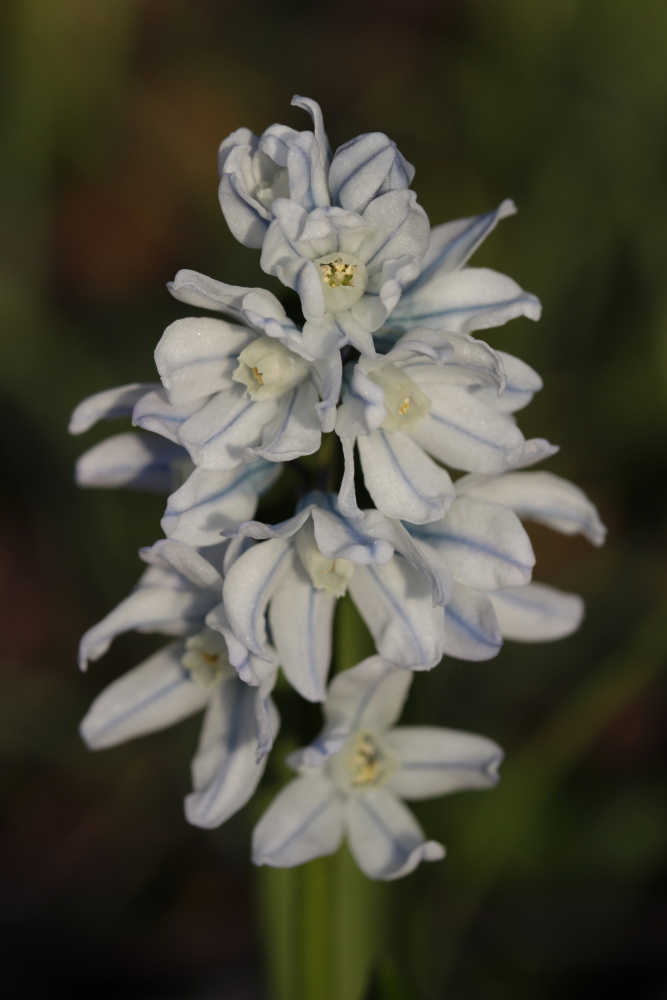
(112,113)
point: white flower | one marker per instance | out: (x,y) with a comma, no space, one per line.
(174,597)
(284,163)
(433,396)
(280,163)
(447,295)
(481,550)
(302,566)
(353,777)
(348,268)
(231,396)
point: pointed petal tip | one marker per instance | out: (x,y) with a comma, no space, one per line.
(506,208)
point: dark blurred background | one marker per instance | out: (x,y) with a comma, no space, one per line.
(113,112)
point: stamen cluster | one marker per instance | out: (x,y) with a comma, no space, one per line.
(384,365)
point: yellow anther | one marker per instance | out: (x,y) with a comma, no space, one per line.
(405,406)
(258,375)
(337,274)
(365,762)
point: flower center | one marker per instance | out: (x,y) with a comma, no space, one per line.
(337,273)
(404,401)
(330,575)
(205,658)
(362,762)
(268,369)
(344,280)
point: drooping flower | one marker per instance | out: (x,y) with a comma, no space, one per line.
(284,163)
(348,268)
(353,777)
(301,567)
(232,396)
(448,295)
(433,396)
(484,554)
(174,597)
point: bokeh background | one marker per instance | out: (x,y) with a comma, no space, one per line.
(112,114)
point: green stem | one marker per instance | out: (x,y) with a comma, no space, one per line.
(322,923)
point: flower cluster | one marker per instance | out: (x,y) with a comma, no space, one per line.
(384,383)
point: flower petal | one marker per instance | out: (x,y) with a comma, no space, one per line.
(301,619)
(171,554)
(327,374)
(385,838)
(521,384)
(137,461)
(149,608)
(225,770)
(484,544)
(402,480)
(111,404)
(362,410)
(249,586)
(210,501)
(368,696)
(154,412)
(537,613)
(462,432)
(152,696)
(475,298)
(306,171)
(366,167)
(471,628)
(246,218)
(315,112)
(197,289)
(454,242)
(542,497)
(304,821)
(363,540)
(218,434)
(468,362)
(435,761)
(395,602)
(196,356)
(400,228)
(295,429)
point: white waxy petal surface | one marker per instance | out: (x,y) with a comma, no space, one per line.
(225,770)
(137,461)
(304,821)
(385,838)
(452,243)
(211,501)
(147,609)
(301,619)
(218,435)
(464,433)
(294,430)
(484,544)
(475,298)
(249,586)
(537,613)
(402,480)
(471,627)
(542,497)
(196,356)
(366,167)
(435,761)
(111,404)
(152,696)
(397,606)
